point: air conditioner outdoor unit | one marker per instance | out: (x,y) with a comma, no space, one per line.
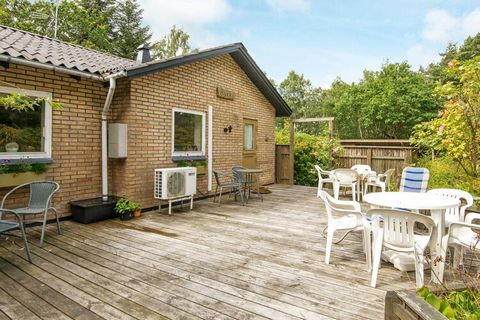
(175,184)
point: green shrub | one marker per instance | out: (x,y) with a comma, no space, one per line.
(23,167)
(447,173)
(454,305)
(309,151)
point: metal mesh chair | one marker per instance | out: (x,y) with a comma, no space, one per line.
(7,225)
(41,193)
(235,186)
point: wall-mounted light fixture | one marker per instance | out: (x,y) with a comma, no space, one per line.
(227,129)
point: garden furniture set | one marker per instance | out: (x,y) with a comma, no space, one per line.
(390,227)
(240,182)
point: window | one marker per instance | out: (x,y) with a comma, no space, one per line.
(26,134)
(248,136)
(188,133)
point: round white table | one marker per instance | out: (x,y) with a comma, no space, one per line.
(420,201)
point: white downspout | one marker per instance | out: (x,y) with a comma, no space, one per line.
(108,101)
(210,148)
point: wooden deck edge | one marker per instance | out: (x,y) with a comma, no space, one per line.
(406,305)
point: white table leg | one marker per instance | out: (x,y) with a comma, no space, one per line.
(436,245)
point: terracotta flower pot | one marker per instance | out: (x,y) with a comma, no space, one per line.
(137,213)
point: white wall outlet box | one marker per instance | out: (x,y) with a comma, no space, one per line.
(117,140)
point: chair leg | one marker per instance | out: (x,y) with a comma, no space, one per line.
(44,225)
(419,280)
(354,191)
(328,248)
(59,230)
(367,245)
(25,241)
(377,253)
(215,194)
(336,190)
(241,197)
(220,195)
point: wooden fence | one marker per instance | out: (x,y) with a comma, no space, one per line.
(283,168)
(381,155)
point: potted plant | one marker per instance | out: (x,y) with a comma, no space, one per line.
(137,210)
(124,208)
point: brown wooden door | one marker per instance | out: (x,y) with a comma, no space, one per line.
(249,143)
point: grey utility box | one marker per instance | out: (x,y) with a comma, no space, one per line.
(117,140)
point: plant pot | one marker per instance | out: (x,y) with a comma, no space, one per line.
(15,179)
(126,216)
(201,170)
(137,213)
(92,210)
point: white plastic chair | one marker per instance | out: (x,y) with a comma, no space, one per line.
(345,216)
(345,178)
(381,181)
(414,179)
(394,230)
(461,235)
(454,214)
(323,177)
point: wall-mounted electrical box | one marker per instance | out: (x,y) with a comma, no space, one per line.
(117,140)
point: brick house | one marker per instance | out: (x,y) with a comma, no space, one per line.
(166,105)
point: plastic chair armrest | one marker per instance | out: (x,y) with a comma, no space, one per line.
(472,216)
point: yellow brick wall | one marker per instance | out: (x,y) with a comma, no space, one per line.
(192,86)
(75,130)
(145,104)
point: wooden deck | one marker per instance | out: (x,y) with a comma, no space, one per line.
(261,261)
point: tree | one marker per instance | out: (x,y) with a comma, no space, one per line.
(456,131)
(342,102)
(129,33)
(174,44)
(302,98)
(394,100)
(468,50)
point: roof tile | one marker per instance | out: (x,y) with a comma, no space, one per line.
(21,44)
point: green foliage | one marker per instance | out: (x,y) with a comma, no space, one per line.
(125,206)
(447,173)
(466,51)
(112,26)
(174,44)
(309,151)
(384,104)
(22,102)
(128,31)
(454,305)
(23,167)
(191,163)
(455,132)
(303,99)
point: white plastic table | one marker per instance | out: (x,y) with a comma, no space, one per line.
(420,201)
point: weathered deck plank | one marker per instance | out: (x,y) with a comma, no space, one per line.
(263,260)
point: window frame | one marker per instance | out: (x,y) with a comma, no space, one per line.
(47,126)
(188,153)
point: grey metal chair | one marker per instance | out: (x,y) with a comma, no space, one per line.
(8,225)
(41,193)
(242,178)
(235,186)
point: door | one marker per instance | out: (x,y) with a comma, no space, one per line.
(249,143)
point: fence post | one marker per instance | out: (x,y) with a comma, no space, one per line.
(369,156)
(292,150)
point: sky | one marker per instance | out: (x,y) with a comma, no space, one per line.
(323,39)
